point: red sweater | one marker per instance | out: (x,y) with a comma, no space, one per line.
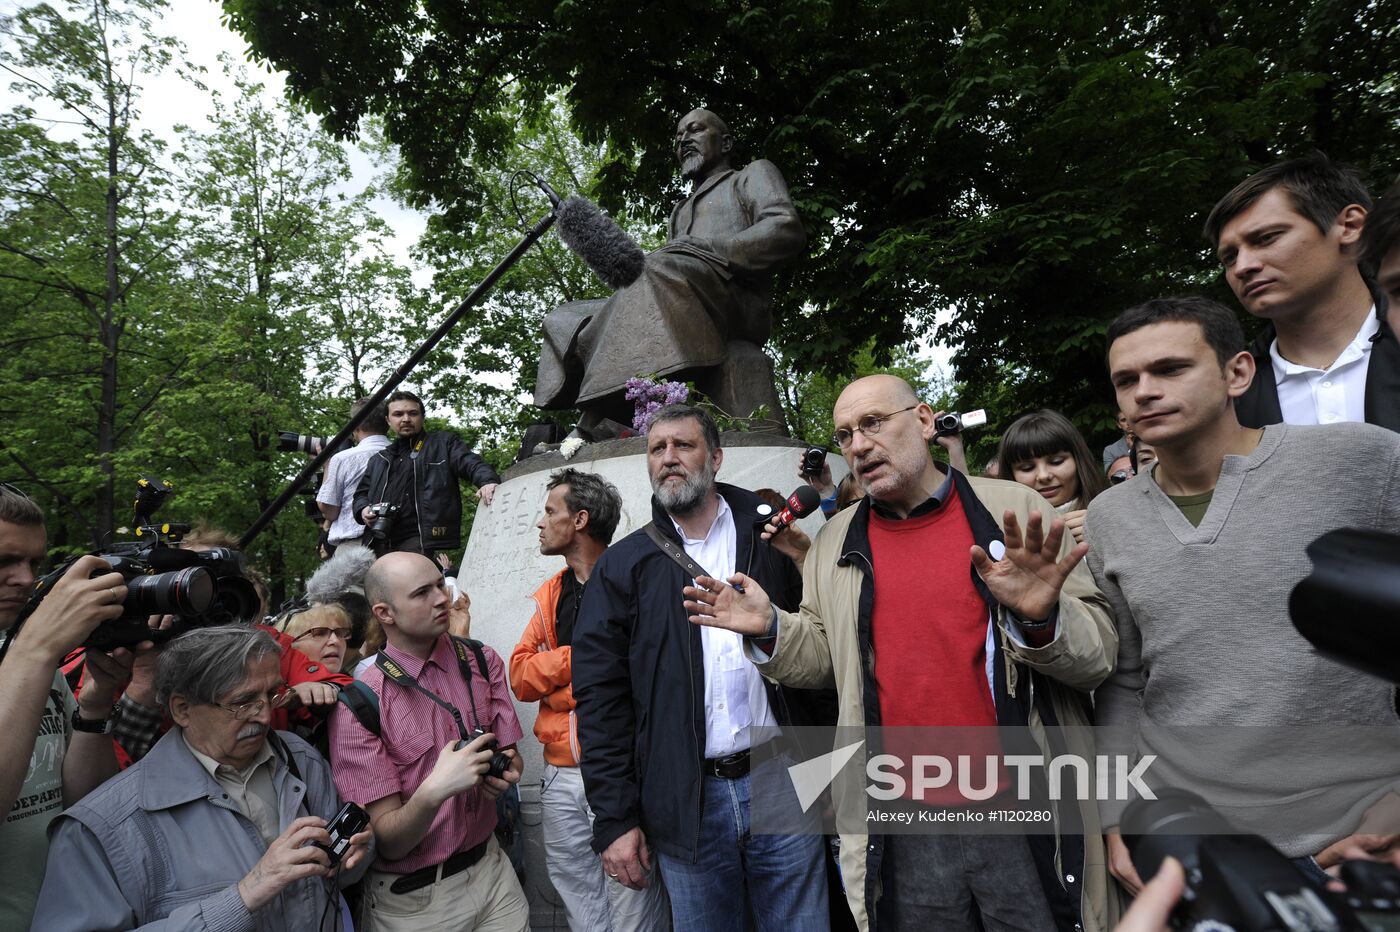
(929,630)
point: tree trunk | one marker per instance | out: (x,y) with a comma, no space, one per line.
(110,328)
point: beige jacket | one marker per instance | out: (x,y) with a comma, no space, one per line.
(819,646)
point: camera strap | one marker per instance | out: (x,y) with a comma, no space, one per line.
(401,676)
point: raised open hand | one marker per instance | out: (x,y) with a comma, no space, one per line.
(1029,576)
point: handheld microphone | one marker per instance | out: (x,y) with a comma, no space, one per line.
(799,505)
(593,236)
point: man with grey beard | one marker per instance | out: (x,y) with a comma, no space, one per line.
(668,712)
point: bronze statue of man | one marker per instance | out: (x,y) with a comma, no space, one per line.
(702,307)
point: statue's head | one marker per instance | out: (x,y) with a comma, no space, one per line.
(703,144)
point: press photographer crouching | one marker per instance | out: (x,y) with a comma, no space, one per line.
(224,825)
(45,762)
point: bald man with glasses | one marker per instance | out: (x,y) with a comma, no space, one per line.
(924,604)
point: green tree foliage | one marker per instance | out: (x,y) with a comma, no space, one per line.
(84,256)
(146,338)
(1033,168)
(292,305)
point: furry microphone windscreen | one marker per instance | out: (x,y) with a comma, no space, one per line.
(591,234)
(343,572)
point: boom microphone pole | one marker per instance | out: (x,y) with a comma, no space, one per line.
(399,374)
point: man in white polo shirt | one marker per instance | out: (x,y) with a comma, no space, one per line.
(1288,239)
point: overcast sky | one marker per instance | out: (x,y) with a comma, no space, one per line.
(167,100)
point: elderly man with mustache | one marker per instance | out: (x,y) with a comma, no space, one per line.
(218,826)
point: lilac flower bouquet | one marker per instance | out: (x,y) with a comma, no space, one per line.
(649,396)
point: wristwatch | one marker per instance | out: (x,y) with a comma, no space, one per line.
(101,726)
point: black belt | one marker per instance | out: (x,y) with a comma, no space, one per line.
(427,876)
(730,767)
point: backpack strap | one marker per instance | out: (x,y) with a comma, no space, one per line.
(363,703)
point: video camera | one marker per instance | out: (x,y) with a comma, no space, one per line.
(200,588)
(1241,883)
(949,424)
(1355,576)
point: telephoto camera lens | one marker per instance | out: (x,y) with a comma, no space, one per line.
(182,592)
(289,441)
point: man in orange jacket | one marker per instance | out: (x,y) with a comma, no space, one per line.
(581,512)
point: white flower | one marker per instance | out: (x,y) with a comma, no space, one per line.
(569,447)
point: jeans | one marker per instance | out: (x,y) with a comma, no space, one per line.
(961,883)
(781,878)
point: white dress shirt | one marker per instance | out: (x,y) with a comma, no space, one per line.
(343,473)
(1327,396)
(735,697)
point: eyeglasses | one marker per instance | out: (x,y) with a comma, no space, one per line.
(320,634)
(15,489)
(1122,475)
(869,425)
(246,710)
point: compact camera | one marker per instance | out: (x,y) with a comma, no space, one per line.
(350,821)
(812,462)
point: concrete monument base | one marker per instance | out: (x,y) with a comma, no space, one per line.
(502,567)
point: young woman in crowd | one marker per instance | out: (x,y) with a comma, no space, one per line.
(1044,451)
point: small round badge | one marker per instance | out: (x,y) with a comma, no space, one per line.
(996,550)
(765,510)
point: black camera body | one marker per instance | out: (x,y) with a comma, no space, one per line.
(500,763)
(350,821)
(381,518)
(200,588)
(812,462)
(1241,882)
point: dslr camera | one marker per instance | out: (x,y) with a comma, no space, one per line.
(199,588)
(1241,883)
(500,763)
(381,517)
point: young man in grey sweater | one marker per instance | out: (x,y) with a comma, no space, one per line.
(1198,557)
